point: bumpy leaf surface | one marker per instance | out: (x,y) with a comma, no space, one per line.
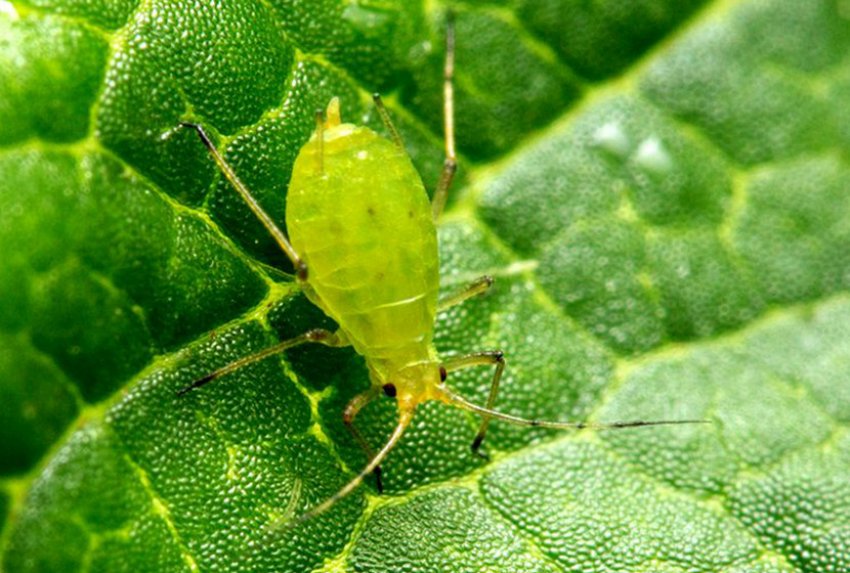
(660,187)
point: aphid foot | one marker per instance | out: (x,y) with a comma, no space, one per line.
(476,448)
(379,482)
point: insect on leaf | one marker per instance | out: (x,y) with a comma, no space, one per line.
(660,189)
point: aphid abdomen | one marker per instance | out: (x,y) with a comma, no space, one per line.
(361,220)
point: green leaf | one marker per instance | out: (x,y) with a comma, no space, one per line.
(661,189)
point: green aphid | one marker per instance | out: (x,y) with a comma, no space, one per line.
(365,252)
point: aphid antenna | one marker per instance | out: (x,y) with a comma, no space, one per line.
(294,498)
(286,524)
(465,404)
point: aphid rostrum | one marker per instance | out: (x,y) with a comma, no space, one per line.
(363,241)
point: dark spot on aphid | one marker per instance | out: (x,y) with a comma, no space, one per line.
(389,390)
(443,374)
(410,214)
(371,211)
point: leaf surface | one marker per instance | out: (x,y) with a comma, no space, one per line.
(660,188)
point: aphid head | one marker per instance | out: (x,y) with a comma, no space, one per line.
(414,383)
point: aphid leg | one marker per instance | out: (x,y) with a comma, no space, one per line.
(387,120)
(294,498)
(481,359)
(479,286)
(317,335)
(450,164)
(351,410)
(404,418)
(230,175)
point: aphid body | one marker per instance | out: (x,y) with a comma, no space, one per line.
(363,241)
(370,246)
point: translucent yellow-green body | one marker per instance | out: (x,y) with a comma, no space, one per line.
(358,215)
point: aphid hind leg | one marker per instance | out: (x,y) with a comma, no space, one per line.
(317,335)
(268,223)
(351,410)
(479,286)
(447,175)
(485,358)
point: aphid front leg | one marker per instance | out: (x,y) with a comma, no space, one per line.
(351,410)
(485,358)
(268,223)
(317,335)
(479,286)
(450,164)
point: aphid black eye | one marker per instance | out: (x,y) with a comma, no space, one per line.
(443,374)
(389,390)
